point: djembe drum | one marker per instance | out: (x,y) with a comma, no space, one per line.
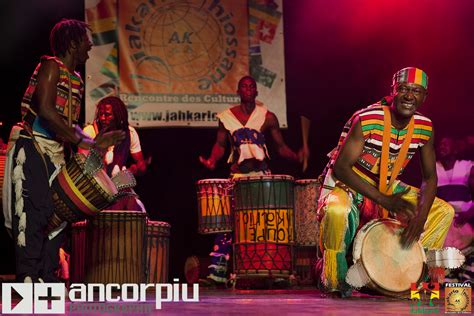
(115,247)
(81,190)
(214,209)
(307,227)
(157,251)
(380,261)
(196,268)
(264,226)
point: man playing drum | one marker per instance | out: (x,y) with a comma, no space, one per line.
(245,125)
(112,115)
(360,180)
(50,106)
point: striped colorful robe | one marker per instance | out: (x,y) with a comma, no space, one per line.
(343,211)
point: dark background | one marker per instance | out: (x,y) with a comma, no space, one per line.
(340,55)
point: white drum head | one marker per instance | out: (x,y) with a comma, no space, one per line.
(387,264)
(105,182)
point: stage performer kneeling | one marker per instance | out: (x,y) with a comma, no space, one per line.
(358,186)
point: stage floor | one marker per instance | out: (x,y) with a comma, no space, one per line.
(307,301)
(285,302)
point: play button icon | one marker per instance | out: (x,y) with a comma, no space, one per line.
(15,302)
(17,298)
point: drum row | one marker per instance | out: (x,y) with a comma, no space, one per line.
(120,247)
(276,233)
(269,215)
(110,246)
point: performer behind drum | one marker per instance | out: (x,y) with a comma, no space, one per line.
(455,184)
(51,104)
(376,142)
(245,124)
(112,115)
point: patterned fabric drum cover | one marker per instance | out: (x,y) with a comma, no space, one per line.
(378,255)
(157,252)
(214,211)
(78,195)
(264,226)
(306,204)
(115,242)
(78,252)
(305,259)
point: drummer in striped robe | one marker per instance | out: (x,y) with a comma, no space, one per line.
(360,181)
(50,107)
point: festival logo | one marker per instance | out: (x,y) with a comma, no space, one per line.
(425,298)
(458,298)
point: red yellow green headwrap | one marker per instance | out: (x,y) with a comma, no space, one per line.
(411,75)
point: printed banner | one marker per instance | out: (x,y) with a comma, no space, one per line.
(177,63)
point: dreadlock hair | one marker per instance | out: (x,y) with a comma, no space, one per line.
(118,108)
(122,150)
(65,32)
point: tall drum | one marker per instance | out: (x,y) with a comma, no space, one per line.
(214,209)
(264,226)
(307,227)
(78,251)
(306,204)
(157,252)
(115,247)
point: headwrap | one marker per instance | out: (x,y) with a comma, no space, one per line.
(411,75)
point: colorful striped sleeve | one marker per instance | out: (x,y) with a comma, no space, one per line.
(371,120)
(423,129)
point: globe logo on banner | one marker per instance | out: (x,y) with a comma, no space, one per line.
(187,39)
(177,47)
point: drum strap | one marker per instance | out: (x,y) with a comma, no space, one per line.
(385,187)
(69,152)
(69,101)
(38,149)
